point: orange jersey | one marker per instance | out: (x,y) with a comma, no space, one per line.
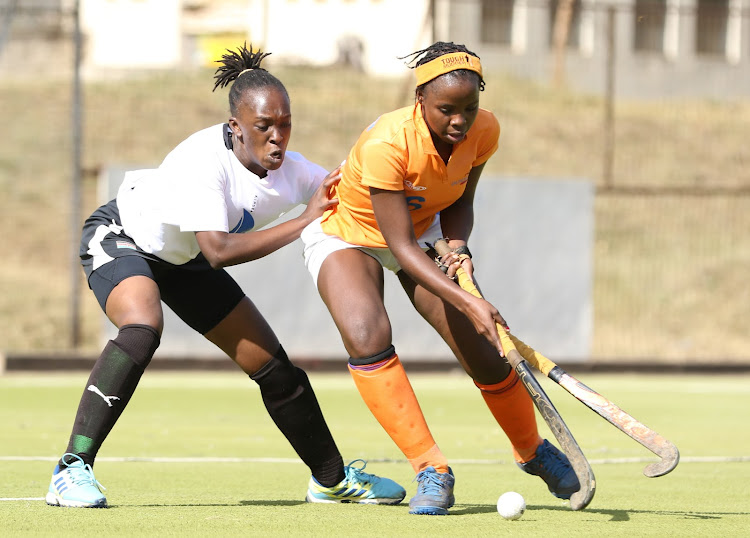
(396,153)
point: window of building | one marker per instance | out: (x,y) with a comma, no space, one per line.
(497,21)
(711,26)
(650,16)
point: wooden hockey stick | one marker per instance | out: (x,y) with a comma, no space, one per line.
(668,453)
(634,429)
(581,498)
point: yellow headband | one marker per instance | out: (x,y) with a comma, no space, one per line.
(445,64)
(243,72)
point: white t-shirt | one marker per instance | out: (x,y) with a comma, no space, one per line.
(202,186)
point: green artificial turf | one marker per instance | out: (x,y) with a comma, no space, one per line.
(196,455)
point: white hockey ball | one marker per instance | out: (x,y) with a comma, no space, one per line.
(511,505)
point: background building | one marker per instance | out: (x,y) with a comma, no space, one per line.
(655,47)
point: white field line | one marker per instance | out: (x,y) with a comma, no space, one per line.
(607,461)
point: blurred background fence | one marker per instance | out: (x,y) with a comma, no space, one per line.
(646,99)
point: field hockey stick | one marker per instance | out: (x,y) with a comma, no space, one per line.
(668,453)
(634,429)
(581,498)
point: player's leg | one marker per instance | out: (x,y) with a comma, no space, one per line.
(133,305)
(123,284)
(351,285)
(244,335)
(500,387)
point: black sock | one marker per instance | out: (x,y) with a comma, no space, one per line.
(291,403)
(112,382)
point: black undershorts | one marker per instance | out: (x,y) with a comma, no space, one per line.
(200,295)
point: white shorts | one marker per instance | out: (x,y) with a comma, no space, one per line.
(319,245)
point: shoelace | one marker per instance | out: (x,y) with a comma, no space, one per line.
(357,474)
(554,464)
(83,476)
(429,483)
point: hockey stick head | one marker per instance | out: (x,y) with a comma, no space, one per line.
(670,457)
(631,427)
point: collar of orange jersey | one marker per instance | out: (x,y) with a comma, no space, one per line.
(445,64)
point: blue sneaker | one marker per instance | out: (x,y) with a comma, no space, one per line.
(74,486)
(434,493)
(553,467)
(356,487)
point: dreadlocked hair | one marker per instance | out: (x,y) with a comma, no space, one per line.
(436,50)
(242,69)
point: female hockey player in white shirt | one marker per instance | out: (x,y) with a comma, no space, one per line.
(167,237)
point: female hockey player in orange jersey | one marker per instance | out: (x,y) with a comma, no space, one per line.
(409,180)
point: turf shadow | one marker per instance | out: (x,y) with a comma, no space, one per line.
(614,514)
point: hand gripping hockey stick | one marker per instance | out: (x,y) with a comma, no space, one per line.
(581,498)
(606,409)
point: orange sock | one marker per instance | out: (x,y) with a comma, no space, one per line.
(388,393)
(513,409)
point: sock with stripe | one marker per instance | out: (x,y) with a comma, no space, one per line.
(513,410)
(388,394)
(110,386)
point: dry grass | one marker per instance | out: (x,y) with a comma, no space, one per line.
(672,272)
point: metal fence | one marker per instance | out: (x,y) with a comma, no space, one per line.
(671,254)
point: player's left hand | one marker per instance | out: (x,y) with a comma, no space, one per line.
(451,262)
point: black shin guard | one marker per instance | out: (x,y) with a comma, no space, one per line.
(112,382)
(291,402)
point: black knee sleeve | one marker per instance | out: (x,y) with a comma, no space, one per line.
(290,401)
(385,354)
(278,367)
(139,342)
(280,381)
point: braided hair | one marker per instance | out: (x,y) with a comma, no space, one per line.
(242,67)
(437,49)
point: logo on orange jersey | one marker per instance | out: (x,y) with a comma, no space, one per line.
(412,187)
(460,181)
(414,202)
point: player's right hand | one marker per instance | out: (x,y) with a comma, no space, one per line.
(324,198)
(485,318)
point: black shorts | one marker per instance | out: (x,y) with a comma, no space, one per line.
(200,295)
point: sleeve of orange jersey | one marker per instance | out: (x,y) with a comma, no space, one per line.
(383,166)
(488,139)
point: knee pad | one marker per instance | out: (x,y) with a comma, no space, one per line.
(139,342)
(366,361)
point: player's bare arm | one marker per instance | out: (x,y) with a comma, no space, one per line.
(457,221)
(395,224)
